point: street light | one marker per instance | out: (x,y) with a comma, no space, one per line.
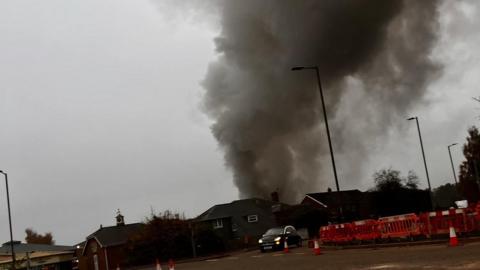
(451,161)
(325,117)
(424,159)
(9,219)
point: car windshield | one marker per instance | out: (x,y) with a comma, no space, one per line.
(274,231)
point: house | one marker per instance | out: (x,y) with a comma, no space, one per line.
(341,206)
(37,256)
(241,222)
(306,218)
(105,248)
(350,205)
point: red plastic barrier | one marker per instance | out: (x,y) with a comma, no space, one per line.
(477,213)
(401,226)
(366,230)
(338,233)
(439,222)
(326,234)
(343,233)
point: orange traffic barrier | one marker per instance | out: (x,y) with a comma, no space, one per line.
(366,230)
(439,222)
(400,226)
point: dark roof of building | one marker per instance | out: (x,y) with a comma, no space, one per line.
(115,235)
(237,208)
(23,247)
(238,211)
(336,197)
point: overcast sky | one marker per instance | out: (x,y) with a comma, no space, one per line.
(100,109)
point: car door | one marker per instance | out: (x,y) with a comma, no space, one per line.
(291,235)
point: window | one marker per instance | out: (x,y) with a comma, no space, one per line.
(252,218)
(289,230)
(217,224)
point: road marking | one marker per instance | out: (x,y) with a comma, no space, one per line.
(276,255)
(212,260)
(257,256)
(384,266)
(232,258)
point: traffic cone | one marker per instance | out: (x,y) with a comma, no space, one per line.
(118,267)
(453,237)
(171,265)
(316,248)
(157,264)
(285,246)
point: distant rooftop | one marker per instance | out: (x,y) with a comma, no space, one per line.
(236,208)
(115,235)
(24,247)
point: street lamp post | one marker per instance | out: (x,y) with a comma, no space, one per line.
(451,162)
(9,219)
(325,117)
(424,159)
(423,152)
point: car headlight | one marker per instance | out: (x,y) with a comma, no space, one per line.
(278,239)
(260,241)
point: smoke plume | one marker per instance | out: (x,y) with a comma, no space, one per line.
(374,60)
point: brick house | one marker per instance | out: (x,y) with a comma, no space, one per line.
(105,248)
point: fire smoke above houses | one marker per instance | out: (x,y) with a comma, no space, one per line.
(268,120)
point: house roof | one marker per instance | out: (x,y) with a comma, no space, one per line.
(238,212)
(237,208)
(327,199)
(23,247)
(115,235)
(37,259)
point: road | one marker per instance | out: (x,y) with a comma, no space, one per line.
(414,257)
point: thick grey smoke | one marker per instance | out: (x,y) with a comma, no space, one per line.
(268,119)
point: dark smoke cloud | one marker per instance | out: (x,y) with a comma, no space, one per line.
(268,119)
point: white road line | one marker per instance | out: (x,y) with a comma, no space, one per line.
(276,255)
(257,256)
(212,260)
(232,258)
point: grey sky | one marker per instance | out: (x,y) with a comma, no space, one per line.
(99,110)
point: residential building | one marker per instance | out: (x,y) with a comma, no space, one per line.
(241,222)
(105,248)
(37,256)
(350,205)
(341,206)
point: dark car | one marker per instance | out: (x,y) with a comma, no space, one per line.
(275,238)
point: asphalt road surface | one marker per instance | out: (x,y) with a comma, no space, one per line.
(414,257)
